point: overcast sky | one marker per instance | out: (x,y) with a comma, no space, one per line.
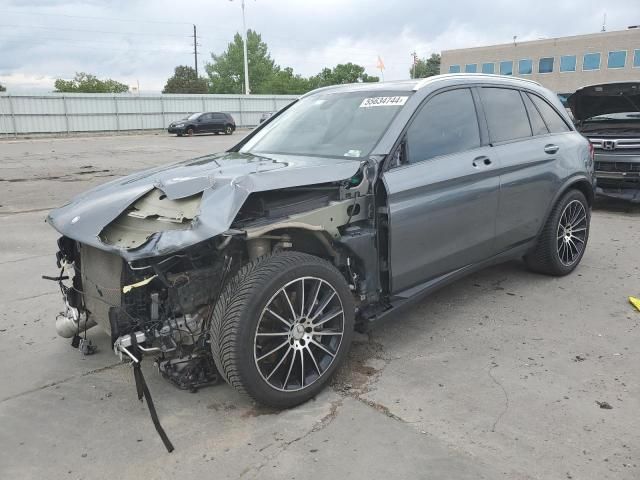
(142,41)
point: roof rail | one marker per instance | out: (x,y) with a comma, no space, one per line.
(427,80)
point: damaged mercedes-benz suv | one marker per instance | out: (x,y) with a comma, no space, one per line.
(258,263)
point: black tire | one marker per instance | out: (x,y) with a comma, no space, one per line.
(228,130)
(190,131)
(547,255)
(238,315)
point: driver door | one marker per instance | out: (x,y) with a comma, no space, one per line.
(443,198)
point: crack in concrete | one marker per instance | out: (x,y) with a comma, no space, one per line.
(59,382)
(30,297)
(506,396)
(8,213)
(323,423)
(24,259)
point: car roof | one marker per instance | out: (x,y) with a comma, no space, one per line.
(420,83)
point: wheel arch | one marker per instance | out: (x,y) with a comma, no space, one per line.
(580,183)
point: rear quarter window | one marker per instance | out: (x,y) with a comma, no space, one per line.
(537,123)
(505,113)
(552,118)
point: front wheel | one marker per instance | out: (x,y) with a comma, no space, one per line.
(563,240)
(281,328)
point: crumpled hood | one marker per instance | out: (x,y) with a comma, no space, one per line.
(604,99)
(225,181)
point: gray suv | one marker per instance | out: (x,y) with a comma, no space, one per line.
(255,265)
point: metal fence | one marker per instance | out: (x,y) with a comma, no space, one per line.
(103,112)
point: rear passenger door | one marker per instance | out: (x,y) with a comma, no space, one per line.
(528,154)
(443,197)
(219,121)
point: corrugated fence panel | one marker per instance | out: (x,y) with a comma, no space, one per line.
(62,113)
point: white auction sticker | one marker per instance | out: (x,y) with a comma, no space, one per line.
(383,102)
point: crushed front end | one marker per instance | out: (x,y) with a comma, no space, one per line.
(161,305)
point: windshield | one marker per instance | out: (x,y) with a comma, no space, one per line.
(330,125)
(193,116)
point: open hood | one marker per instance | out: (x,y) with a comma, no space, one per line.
(195,200)
(604,99)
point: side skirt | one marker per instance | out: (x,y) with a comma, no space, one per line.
(408,298)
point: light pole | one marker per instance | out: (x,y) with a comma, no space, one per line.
(247,90)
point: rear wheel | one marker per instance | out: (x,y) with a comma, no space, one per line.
(228,130)
(564,238)
(282,327)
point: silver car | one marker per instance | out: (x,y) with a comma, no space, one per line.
(255,265)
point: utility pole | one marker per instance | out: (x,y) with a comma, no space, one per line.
(415,62)
(195,47)
(247,90)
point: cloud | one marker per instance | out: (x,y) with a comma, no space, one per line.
(143,41)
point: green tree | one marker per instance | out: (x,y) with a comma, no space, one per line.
(426,67)
(3,88)
(87,83)
(185,80)
(226,71)
(285,82)
(341,73)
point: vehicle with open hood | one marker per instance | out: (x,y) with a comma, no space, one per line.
(609,116)
(257,264)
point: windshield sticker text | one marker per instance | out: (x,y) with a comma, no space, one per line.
(383,102)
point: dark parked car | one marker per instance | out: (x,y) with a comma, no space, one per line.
(609,116)
(207,122)
(266,116)
(258,263)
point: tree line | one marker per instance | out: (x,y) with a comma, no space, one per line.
(225,74)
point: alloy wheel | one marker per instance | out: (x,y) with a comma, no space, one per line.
(572,232)
(299,334)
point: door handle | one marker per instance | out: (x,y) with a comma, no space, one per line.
(481,160)
(551,149)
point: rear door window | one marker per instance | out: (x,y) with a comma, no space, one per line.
(537,123)
(505,113)
(552,118)
(446,124)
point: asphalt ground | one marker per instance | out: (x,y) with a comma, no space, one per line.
(496,376)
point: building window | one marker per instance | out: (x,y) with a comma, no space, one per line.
(591,61)
(491,67)
(617,59)
(506,67)
(471,68)
(636,58)
(525,67)
(545,65)
(454,69)
(568,63)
